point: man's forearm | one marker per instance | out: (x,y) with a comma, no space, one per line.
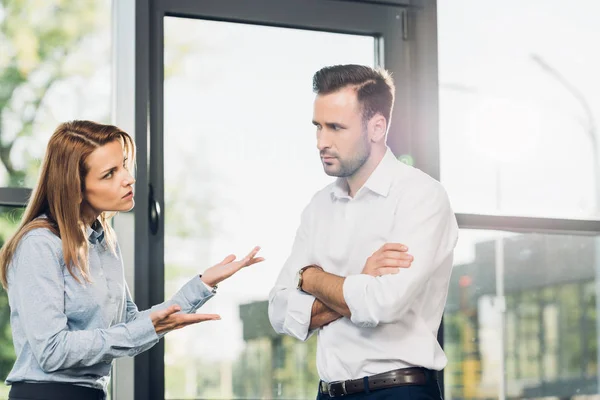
(322,315)
(326,287)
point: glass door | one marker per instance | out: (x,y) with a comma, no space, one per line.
(231,163)
(240,164)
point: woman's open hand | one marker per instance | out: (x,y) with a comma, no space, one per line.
(229,266)
(167,320)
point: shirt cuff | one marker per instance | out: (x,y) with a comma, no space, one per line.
(195,293)
(213,289)
(299,312)
(355,296)
(142,333)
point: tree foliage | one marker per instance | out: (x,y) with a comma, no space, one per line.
(37,38)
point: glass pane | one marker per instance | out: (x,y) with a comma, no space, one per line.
(55,65)
(520,107)
(539,325)
(241,163)
(9,221)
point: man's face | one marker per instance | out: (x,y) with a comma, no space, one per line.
(342,138)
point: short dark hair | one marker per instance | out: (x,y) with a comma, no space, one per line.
(374,87)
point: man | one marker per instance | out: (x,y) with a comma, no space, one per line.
(348,276)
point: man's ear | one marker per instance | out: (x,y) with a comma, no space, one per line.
(377,128)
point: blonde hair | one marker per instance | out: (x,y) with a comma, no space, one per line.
(59,194)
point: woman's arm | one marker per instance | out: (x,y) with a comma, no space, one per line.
(37,292)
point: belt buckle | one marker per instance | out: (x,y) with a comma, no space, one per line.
(331,394)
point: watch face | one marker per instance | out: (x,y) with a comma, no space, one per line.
(298,280)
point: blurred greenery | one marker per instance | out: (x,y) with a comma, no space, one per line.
(9,218)
(37,38)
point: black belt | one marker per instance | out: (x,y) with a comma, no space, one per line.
(54,391)
(397,377)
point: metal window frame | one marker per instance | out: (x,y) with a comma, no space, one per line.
(14,196)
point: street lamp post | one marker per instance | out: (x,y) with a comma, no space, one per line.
(590,130)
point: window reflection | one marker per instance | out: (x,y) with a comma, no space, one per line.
(549,321)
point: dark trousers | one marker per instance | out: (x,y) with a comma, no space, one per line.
(53,391)
(429,391)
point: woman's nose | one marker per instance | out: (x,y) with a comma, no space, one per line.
(129,180)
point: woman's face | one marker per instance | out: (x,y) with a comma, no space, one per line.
(108,184)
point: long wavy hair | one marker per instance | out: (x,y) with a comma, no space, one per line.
(59,197)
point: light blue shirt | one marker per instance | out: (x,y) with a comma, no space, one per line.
(65,331)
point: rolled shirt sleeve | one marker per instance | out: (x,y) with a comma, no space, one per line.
(289,309)
(430,231)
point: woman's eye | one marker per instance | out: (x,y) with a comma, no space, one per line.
(109,175)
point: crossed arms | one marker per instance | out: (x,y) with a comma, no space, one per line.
(385,288)
(328,289)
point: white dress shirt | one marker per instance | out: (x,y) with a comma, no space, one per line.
(394,318)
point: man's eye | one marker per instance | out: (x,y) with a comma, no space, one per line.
(336,127)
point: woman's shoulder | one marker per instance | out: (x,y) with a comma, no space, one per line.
(40,236)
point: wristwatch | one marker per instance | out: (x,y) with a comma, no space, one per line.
(299,275)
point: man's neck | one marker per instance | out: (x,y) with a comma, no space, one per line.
(360,177)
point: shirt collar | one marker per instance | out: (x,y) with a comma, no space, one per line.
(95,233)
(379,182)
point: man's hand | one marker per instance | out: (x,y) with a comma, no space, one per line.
(388,260)
(166,320)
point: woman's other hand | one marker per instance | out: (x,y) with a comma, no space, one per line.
(229,266)
(167,320)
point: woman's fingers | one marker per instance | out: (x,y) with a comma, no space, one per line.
(188,319)
(230,258)
(162,314)
(252,254)
(255,260)
(182,320)
(177,321)
(251,257)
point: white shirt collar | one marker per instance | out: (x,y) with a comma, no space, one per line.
(379,181)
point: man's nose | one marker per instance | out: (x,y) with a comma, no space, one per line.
(323,141)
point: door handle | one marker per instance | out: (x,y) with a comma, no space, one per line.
(153,211)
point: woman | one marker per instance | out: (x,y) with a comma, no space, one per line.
(71,311)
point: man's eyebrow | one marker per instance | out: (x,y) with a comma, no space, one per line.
(331,124)
(334,124)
